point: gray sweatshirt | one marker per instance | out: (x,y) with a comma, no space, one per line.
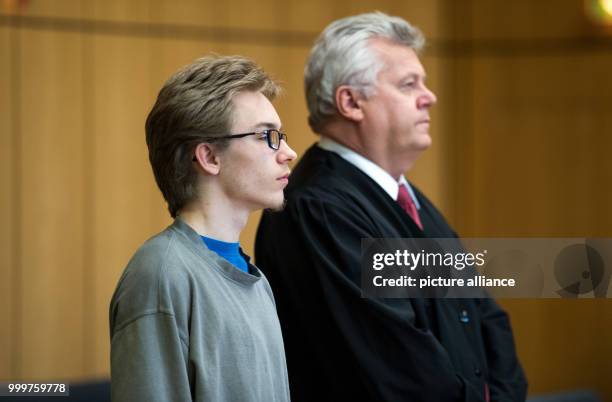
(187,325)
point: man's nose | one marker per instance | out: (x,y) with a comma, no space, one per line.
(427,99)
(286,153)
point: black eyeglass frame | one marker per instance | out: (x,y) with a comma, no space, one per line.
(282,136)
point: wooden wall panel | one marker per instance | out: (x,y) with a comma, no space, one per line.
(51,219)
(264,14)
(169,55)
(126,203)
(268,15)
(540,127)
(525,19)
(306,16)
(7,206)
(119,187)
(564,345)
(134,11)
(209,13)
(545,116)
(44,9)
(293,16)
(530,159)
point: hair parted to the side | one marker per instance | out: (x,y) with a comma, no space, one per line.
(194,104)
(341,56)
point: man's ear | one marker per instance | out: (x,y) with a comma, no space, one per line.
(207,157)
(348,103)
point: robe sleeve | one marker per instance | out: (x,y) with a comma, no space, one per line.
(399,359)
(507,382)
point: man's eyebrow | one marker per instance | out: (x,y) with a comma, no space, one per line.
(415,75)
(266,125)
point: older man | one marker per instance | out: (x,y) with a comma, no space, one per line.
(192,319)
(367,98)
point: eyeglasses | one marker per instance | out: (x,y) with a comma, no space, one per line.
(274,137)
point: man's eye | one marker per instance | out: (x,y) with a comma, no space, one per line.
(409,84)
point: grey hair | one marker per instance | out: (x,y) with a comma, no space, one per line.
(341,55)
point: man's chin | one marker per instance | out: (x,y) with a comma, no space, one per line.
(277,207)
(423,144)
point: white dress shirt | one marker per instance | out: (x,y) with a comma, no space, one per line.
(375,172)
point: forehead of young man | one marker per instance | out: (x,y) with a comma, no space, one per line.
(253,111)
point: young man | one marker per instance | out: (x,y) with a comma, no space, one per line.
(192,318)
(367,98)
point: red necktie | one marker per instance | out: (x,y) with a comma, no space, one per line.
(407,203)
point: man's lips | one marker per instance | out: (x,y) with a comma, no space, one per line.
(284,177)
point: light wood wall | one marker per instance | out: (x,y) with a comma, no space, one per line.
(533,94)
(520,132)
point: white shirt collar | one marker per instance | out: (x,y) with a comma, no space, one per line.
(375,172)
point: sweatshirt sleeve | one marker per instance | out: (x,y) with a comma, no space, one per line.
(149,361)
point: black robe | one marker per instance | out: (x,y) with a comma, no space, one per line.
(342,347)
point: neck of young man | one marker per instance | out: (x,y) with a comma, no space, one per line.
(218,220)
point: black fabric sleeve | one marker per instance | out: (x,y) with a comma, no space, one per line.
(507,382)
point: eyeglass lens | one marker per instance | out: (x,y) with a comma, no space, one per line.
(274,139)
